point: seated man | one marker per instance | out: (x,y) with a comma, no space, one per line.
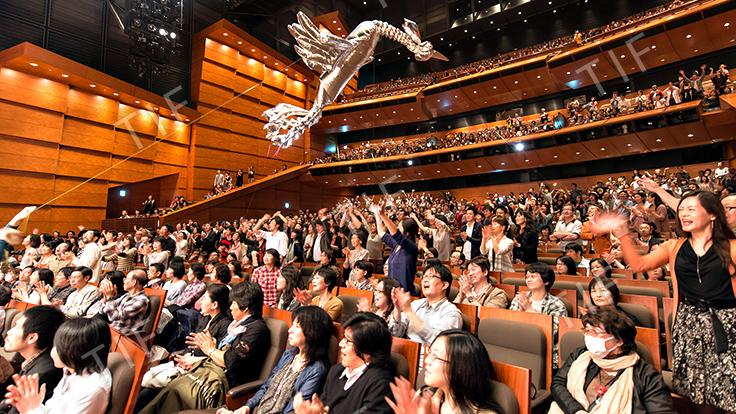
(422,320)
(62,288)
(155,273)
(32,337)
(575,252)
(84,294)
(127,314)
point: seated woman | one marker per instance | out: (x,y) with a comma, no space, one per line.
(234,360)
(215,310)
(359,383)
(539,279)
(286,283)
(80,348)
(565,266)
(383,306)
(476,288)
(323,281)
(360,277)
(607,375)
(458,369)
(301,370)
(117,279)
(604,293)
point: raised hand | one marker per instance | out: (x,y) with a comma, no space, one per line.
(409,401)
(610,223)
(402,299)
(364,305)
(303,296)
(648,184)
(313,406)
(25,395)
(464,284)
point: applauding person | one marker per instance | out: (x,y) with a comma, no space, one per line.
(476,287)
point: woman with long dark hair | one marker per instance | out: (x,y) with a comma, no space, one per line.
(383,306)
(402,262)
(288,280)
(702,266)
(526,240)
(564,265)
(459,370)
(301,369)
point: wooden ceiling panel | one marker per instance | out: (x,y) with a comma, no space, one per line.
(722,29)
(625,144)
(690,40)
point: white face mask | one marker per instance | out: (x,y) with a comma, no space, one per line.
(597,346)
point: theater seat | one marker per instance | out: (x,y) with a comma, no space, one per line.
(521,345)
(123,373)
(156,299)
(400,364)
(333,350)
(641,312)
(349,306)
(278,331)
(505,398)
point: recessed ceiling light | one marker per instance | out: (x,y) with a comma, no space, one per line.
(659,140)
(334,22)
(225,34)
(690,135)
(603,149)
(137,101)
(33,64)
(654,46)
(726,24)
(554,156)
(253,50)
(503,163)
(688,36)
(115,94)
(577,153)
(458,168)
(568,73)
(240,42)
(92,85)
(64,75)
(438,171)
(628,145)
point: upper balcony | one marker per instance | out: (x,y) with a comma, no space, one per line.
(693,29)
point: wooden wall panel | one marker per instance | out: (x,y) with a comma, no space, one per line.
(92,107)
(250,67)
(33,91)
(218,75)
(83,134)
(137,119)
(38,124)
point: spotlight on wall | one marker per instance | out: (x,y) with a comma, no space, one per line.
(123,193)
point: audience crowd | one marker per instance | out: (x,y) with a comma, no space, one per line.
(578,111)
(415,83)
(217,277)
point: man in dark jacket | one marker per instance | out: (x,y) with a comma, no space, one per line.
(32,337)
(610,343)
(322,242)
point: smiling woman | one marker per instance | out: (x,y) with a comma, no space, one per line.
(702,266)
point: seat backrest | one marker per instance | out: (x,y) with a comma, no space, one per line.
(278,331)
(400,364)
(122,381)
(153,314)
(516,343)
(453,293)
(333,350)
(504,397)
(349,306)
(470,317)
(640,312)
(11,315)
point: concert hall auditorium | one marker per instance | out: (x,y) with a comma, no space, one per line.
(367,207)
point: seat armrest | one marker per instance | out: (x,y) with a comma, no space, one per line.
(237,396)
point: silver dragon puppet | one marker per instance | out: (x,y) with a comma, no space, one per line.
(336,59)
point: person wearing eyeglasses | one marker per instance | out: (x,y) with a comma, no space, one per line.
(729,204)
(607,375)
(359,383)
(423,319)
(459,378)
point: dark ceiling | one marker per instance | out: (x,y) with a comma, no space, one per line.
(86,31)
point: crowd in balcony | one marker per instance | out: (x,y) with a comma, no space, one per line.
(578,111)
(415,83)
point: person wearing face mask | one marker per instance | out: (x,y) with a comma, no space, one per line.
(607,375)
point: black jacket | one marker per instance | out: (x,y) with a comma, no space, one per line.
(474,239)
(324,244)
(209,242)
(650,393)
(365,396)
(529,240)
(48,374)
(244,357)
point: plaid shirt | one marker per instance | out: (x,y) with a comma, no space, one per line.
(191,293)
(267,280)
(127,314)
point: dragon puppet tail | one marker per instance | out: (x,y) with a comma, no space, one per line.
(286,123)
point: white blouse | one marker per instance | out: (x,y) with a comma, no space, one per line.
(79,394)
